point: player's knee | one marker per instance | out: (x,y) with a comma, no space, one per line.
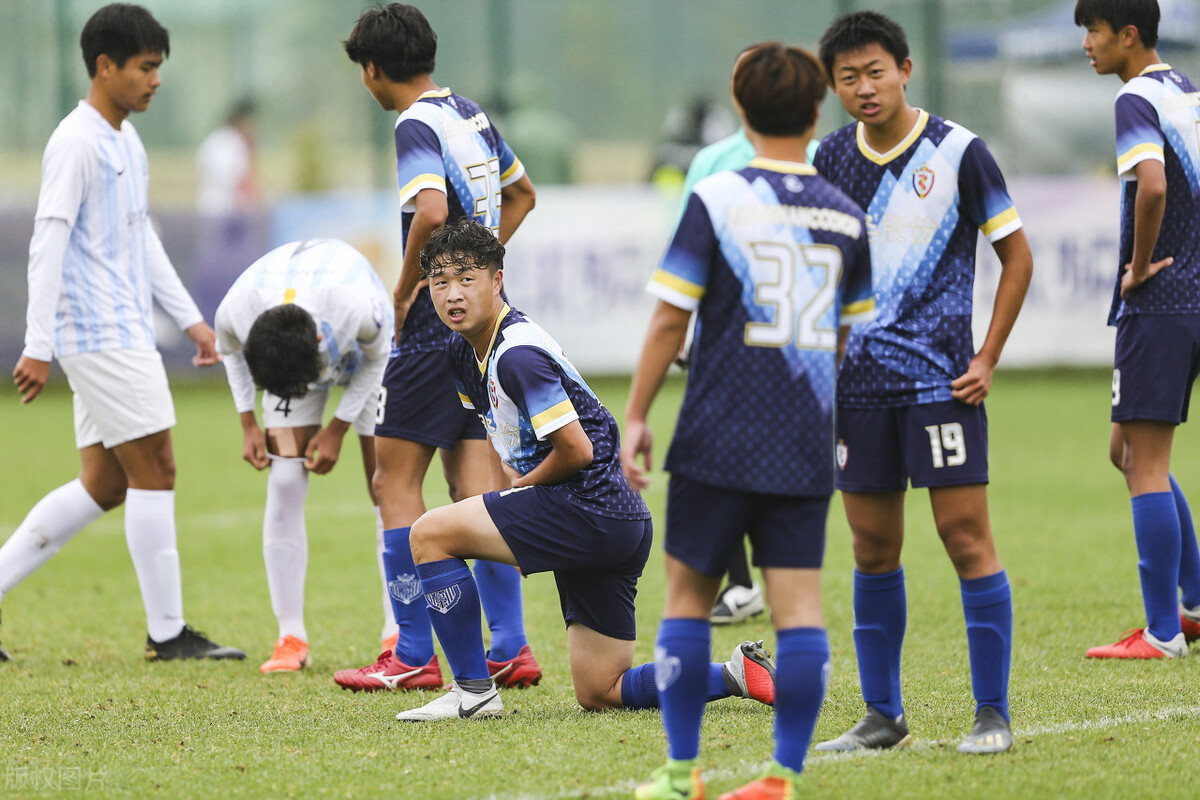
(875,553)
(595,698)
(427,538)
(108,497)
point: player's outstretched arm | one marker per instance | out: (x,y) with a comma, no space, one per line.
(1149,205)
(1016,270)
(572,451)
(664,339)
(325,446)
(254,442)
(516,201)
(431,212)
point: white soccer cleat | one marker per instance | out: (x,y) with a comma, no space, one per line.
(457,704)
(737,603)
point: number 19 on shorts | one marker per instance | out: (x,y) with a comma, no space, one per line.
(947,445)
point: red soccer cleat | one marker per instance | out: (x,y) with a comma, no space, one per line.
(768,788)
(291,655)
(389,673)
(750,673)
(1135,645)
(519,672)
(1189,626)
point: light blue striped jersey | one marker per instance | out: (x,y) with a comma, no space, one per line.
(774,259)
(1158,117)
(524,391)
(926,200)
(446,142)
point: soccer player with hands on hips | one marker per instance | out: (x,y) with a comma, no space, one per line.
(1156,311)
(911,386)
(775,262)
(96,265)
(305,317)
(451,163)
(569,510)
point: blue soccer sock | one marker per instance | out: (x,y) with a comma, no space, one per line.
(987,608)
(414,639)
(1156,528)
(801,671)
(880,617)
(682,672)
(1189,553)
(453,602)
(500,593)
(638,689)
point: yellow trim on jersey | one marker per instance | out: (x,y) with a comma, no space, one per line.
(443,92)
(495,332)
(775,165)
(676,283)
(428,177)
(551,414)
(1160,67)
(508,173)
(1138,153)
(890,155)
(999,221)
(861,307)
(466,401)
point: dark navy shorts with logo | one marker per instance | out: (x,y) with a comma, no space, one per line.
(596,560)
(1156,362)
(419,402)
(931,444)
(706,523)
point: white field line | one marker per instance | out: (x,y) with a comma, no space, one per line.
(747,770)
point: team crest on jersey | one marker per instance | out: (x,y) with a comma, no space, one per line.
(492,393)
(793,184)
(842,453)
(444,599)
(405,588)
(923,181)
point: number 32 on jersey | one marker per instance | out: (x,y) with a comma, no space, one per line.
(799,286)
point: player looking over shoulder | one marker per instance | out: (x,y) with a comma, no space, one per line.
(305,317)
(1156,311)
(911,387)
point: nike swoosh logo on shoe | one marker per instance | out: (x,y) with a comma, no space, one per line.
(390,681)
(464,711)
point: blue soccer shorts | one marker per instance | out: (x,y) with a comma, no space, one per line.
(931,444)
(1156,362)
(706,523)
(596,560)
(419,402)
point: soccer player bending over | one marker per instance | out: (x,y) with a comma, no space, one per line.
(569,511)
(305,317)
(911,387)
(775,263)
(1156,310)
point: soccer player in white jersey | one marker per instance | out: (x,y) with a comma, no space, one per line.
(451,163)
(911,386)
(95,266)
(305,317)
(1156,311)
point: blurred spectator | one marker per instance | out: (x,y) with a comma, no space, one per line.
(687,128)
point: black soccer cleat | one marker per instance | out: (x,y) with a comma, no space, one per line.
(873,732)
(4,656)
(991,733)
(190,643)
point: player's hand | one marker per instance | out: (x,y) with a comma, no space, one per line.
(638,441)
(1129,282)
(324,448)
(973,385)
(510,472)
(206,345)
(30,375)
(254,448)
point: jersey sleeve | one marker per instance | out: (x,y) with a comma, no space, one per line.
(1139,135)
(419,162)
(531,378)
(985,199)
(511,168)
(682,276)
(65,175)
(858,301)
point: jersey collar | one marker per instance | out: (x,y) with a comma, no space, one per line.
(492,343)
(443,92)
(775,165)
(1159,67)
(890,155)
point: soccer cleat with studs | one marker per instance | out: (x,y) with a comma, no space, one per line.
(873,732)
(737,603)
(1189,623)
(519,672)
(750,673)
(290,655)
(991,733)
(457,704)
(189,644)
(679,780)
(1137,644)
(389,673)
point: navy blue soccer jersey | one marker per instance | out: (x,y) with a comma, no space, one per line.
(773,259)
(447,143)
(525,390)
(1158,117)
(925,201)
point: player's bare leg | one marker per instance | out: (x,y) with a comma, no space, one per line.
(877,524)
(400,467)
(961,516)
(598,663)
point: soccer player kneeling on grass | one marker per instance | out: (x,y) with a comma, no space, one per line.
(775,261)
(570,509)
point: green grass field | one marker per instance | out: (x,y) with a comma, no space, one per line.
(82,713)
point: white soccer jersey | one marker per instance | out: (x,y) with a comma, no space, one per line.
(336,285)
(95,178)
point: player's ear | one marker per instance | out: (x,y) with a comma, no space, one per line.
(103,64)
(498,282)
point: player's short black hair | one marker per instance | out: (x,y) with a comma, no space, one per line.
(460,246)
(1141,14)
(778,88)
(855,31)
(121,31)
(396,38)
(282,351)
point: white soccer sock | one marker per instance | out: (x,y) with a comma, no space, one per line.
(150,536)
(285,543)
(48,526)
(389,615)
